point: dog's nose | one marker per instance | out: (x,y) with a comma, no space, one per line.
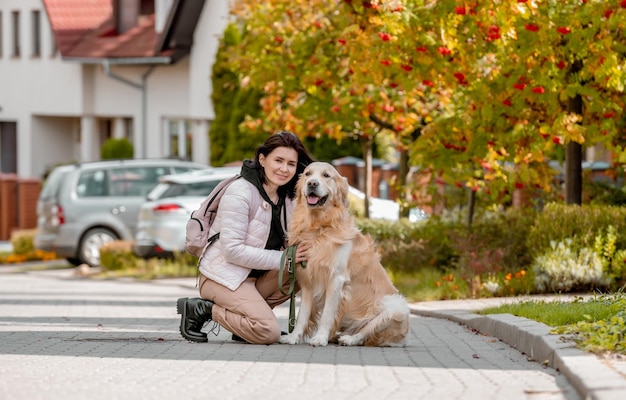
(312,183)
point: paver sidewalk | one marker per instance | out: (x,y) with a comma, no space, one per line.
(67,338)
(594,376)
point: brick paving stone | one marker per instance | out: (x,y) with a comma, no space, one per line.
(67,338)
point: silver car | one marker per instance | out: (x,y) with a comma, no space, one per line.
(163,216)
(82,206)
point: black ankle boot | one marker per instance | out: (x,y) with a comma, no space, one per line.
(194,313)
(237,338)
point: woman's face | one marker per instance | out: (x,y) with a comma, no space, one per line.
(279,165)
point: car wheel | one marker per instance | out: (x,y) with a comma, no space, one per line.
(90,245)
(74,261)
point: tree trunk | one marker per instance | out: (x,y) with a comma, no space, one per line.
(403,172)
(573,173)
(367,176)
(573,160)
(471,203)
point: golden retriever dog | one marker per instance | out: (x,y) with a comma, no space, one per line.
(346,294)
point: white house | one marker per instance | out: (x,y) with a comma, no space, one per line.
(74,73)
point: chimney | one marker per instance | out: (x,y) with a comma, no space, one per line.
(125,14)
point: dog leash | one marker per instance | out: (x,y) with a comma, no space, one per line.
(288,259)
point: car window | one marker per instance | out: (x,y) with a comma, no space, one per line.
(189,189)
(180,169)
(124,181)
(135,181)
(53,183)
(92,183)
(157,191)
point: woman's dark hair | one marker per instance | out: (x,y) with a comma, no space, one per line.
(285,139)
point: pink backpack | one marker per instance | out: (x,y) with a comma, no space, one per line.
(197,235)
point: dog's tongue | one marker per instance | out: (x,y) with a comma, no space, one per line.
(312,199)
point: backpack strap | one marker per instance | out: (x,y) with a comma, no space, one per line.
(211,240)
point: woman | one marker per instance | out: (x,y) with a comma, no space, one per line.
(239,272)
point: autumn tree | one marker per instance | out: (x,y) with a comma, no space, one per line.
(483,94)
(532,77)
(232,105)
(326,68)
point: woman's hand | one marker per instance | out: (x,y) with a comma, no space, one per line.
(302,253)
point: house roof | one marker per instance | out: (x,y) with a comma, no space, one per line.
(86,30)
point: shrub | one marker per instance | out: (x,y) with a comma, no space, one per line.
(24,250)
(495,246)
(580,224)
(181,265)
(507,232)
(490,252)
(118,255)
(507,283)
(564,269)
(613,259)
(429,284)
(116,149)
(117,259)
(402,229)
(23,241)
(604,193)
(406,246)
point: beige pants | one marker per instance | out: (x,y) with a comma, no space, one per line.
(248,311)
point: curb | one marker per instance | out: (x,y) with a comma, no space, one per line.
(591,378)
(27,266)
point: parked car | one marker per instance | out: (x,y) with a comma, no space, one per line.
(84,205)
(164,214)
(387,209)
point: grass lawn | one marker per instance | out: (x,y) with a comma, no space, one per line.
(597,324)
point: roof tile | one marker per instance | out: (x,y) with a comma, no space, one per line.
(85,29)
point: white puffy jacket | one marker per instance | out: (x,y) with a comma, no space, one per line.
(243,221)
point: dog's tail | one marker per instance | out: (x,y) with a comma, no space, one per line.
(389,327)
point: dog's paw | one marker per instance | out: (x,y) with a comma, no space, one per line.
(319,340)
(290,339)
(351,340)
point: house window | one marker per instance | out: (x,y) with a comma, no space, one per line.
(36,33)
(16,33)
(8,147)
(180,139)
(53,45)
(129,129)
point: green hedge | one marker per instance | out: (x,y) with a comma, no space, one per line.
(581,224)
(406,246)
(562,248)
(562,242)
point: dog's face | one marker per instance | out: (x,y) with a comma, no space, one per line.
(320,186)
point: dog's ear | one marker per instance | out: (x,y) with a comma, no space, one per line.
(299,186)
(342,189)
